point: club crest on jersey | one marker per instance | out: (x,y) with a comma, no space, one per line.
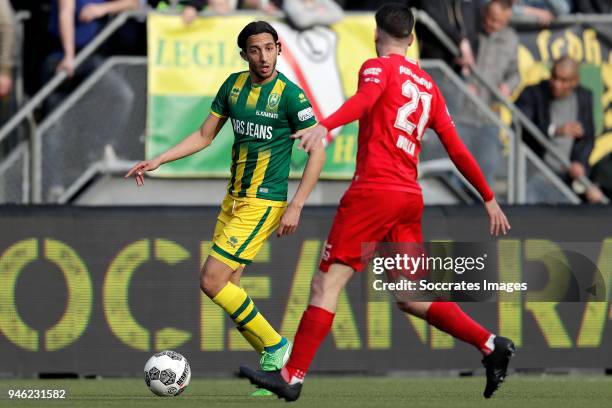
(273,101)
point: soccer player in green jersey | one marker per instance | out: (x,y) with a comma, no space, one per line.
(264,108)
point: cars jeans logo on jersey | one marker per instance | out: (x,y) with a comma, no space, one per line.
(305,114)
(273,101)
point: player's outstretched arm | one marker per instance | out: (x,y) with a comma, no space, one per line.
(193,143)
(351,110)
(465,162)
(291,217)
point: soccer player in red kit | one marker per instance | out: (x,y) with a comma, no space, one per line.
(395,103)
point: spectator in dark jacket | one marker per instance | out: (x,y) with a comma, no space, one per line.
(562,110)
(460,20)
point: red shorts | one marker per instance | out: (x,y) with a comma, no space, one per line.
(369,216)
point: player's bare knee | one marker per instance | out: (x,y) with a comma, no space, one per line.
(317,285)
(212,282)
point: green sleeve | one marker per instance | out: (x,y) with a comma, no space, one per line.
(299,111)
(220,105)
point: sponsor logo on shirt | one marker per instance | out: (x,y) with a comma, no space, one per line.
(251,129)
(302,98)
(305,114)
(417,79)
(375,80)
(267,114)
(263,190)
(371,71)
(406,145)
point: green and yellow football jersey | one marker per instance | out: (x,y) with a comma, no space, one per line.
(263,118)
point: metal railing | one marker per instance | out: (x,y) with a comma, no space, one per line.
(483,109)
(104,115)
(517,114)
(61,76)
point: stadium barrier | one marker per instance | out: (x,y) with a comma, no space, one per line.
(95,291)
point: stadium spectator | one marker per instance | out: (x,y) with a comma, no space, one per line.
(497,62)
(74,23)
(563,110)
(593,6)
(545,11)
(460,20)
(7,36)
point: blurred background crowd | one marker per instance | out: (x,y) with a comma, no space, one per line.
(39,38)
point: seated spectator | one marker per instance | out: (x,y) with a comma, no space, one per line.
(563,110)
(592,6)
(545,11)
(497,62)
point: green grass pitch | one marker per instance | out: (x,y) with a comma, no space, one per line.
(319,392)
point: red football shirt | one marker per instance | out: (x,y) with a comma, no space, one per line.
(395,103)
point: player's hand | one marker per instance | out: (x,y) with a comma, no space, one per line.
(499,222)
(138,171)
(289,221)
(311,138)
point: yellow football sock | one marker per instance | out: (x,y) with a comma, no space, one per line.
(253,340)
(243,312)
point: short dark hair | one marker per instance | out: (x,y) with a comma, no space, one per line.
(395,19)
(254,28)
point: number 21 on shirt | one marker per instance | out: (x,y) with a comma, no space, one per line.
(402,121)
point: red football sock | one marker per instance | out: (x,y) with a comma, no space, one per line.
(314,326)
(449,317)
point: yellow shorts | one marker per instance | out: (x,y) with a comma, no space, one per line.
(242,227)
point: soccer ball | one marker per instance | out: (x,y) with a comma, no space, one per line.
(167,373)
